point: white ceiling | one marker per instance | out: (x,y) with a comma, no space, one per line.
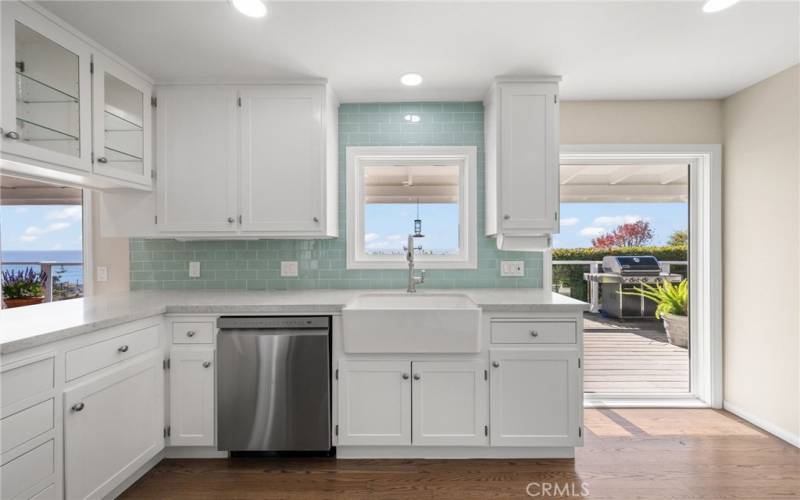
(604,50)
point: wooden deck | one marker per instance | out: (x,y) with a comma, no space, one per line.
(632,356)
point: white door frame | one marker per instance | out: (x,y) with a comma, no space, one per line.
(705,252)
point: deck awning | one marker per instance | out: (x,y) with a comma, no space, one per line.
(624,183)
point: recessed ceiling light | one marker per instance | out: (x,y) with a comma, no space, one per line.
(250,8)
(718,5)
(411,79)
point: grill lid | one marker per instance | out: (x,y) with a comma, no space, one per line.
(643,264)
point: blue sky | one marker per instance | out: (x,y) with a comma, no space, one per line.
(387,225)
(40,227)
(580,222)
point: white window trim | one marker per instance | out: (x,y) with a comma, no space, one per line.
(705,251)
(465,157)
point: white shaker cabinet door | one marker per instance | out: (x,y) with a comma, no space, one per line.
(113,424)
(282,189)
(535,398)
(450,403)
(192,396)
(374,403)
(197,159)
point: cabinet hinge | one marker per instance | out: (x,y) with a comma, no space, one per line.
(153,174)
(579,362)
(165,364)
(337,374)
(239,101)
(485,374)
(485,430)
(555,216)
(155,217)
(555,98)
(92,156)
(154,101)
(337,429)
(167,431)
(20,65)
(580,432)
(91,67)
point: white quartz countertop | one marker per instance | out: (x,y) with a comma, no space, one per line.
(26,327)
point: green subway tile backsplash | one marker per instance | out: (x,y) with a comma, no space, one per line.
(255,265)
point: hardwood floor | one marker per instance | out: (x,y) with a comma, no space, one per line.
(629,454)
(632,356)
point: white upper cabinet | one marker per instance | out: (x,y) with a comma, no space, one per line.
(46,91)
(122,122)
(522,158)
(255,161)
(283,186)
(197,159)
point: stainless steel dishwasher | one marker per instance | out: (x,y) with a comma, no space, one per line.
(273,384)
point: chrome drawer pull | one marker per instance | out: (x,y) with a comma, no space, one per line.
(496,364)
(77,407)
(123,348)
(405,376)
(417,376)
(206,364)
(534,333)
(190,333)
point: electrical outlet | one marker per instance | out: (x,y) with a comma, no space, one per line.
(289,269)
(512,268)
(102,274)
(194,269)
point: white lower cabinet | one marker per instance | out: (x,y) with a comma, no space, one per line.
(113,424)
(535,397)
(374,403)
(449,403)
(380,402)
(192,396)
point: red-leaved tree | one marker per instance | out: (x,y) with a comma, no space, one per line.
(633,234)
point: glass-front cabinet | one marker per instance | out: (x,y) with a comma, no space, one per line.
(46,89)
(121,123)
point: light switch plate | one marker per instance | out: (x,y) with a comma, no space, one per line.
(194,269)
(102,274)
(289,269)
(512,268)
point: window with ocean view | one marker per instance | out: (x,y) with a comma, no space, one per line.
(41,242)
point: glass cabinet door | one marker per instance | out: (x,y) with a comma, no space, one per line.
(46,109)
(121,123)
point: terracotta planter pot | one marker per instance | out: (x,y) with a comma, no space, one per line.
(677,328)
(23,301)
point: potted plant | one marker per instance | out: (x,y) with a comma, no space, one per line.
(23,288)
(672,307)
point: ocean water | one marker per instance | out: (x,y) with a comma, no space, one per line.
(66,274)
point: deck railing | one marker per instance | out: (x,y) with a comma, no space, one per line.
(596,266)
(47,267)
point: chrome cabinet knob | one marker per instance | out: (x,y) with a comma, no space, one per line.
(534,333)
(506,217)
(102,159)
(12,135)
(316,219)
(417,376)
(496,364)
(206,364)
(77,407)
(190,333)
(231,220)
(405,376)
(123,348)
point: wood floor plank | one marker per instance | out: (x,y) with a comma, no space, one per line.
(653,454)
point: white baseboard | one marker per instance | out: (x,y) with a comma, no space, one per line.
(773,429)
(194,452)
(452,452)
(626,401)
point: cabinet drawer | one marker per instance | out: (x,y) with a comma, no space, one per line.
(25,471)
(102,354)
(22,380)
(193,332)
(25,425)
(533,332)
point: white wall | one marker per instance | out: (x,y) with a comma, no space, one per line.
(112,253)
(761,245)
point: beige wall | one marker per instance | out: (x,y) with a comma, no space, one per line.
(761,210)
(112,253)
(641,122)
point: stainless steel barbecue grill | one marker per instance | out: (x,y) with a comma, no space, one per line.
(621,274)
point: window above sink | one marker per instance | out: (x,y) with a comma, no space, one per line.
(430,192)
